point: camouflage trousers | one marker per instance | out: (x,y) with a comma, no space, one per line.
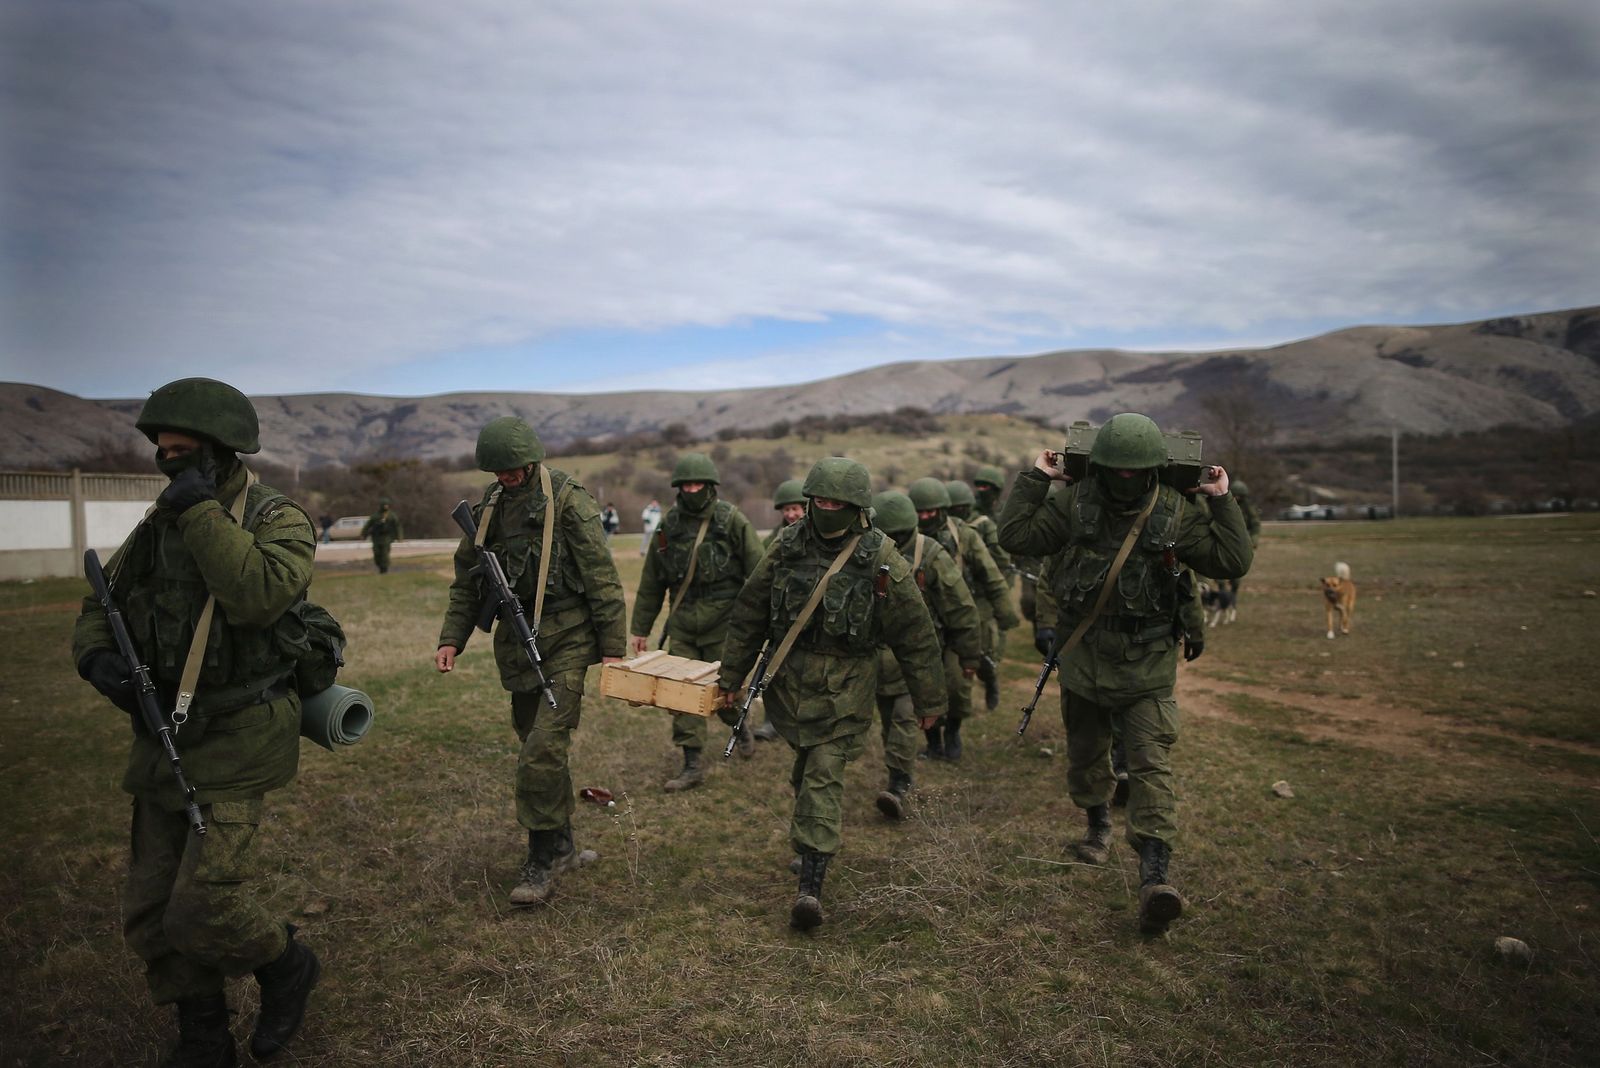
(818,781)
(544,784)
(898,718)
(380,555)
(1149,729)
(959,687)
(188,910)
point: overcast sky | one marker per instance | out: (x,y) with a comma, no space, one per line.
(413,197)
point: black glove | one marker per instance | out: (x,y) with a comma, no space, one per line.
(1043,639)
(109,673)
(193,486)
(1193,646)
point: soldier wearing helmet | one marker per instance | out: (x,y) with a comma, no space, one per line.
(1124,662)
(383,527)
(580,623)
(790,504)
(962,503)
(221,546)
(820,698)
(955,625)
(965,545)
(699,558)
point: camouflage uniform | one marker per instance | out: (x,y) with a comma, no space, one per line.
(822,699)
(189,907)
(989,593)
(728,553)
(788,492)
(582,622)
(955,625)
(987,486)
(1126,664)
(384,530)
(962,503)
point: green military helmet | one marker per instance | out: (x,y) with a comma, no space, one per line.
(990,476)
(203,408)
(928,493)
(788,492)
(895,514)
(507,443)
(695,467)
(960,493)
(1238,487)
(839,479)
(1129,442)
(383,502)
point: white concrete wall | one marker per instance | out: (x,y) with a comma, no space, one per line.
(35,525)
(106,523)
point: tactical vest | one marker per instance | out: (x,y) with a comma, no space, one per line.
(515,535)
(846,622)
(162,593)
(1145,598)
(719,576)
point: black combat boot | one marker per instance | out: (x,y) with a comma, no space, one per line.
(1119,768)
(935,750)
(285,987)
(892,801)
(807,911)
(537,875)
(766,732)
(1159,903)
(692,774)
(952,740)
(1096,845)
(204,1040)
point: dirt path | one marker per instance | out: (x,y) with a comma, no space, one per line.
(1368,721)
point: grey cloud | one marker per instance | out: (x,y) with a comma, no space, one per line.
(312,186)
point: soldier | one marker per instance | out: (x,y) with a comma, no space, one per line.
(1252,523)
(218,546)
(955,625)
(790,506)
(962,502)
(703,551)
(383,528)
(529,509)
(1124,662)
(858,592)
(932,500)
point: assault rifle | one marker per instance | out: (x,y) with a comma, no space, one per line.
(758,682)
(500,601)
(144,687)
(1038,687)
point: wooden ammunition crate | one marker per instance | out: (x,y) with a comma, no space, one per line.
(674,683)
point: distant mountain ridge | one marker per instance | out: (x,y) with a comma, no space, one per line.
(1539,369)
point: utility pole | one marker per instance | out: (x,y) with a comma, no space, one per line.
(1394,469)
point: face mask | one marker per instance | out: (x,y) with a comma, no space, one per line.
(696,501)
(986,498)
(1126,490)
(832,524)
(173,466)
(932,526)
(905,541)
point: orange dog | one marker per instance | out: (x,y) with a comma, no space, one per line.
(1339,594)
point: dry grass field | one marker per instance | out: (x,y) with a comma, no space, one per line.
(1445,762)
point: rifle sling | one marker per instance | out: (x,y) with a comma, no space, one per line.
(955,539)
(1111,579)
(688,575)
(810,609)
(202,629)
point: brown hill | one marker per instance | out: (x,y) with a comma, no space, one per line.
(1539,370)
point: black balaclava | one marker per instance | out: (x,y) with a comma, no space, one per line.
(699,500)
(830,525)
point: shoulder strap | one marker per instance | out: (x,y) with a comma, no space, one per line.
(546,536)
(916,554)
(955,536)
(688,575)
(810,607)
(202,629)
(488,513)
(1111,578)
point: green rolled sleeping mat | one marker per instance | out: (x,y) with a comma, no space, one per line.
(336,716)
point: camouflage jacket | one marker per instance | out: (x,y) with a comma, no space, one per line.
(382,529)
(825,689)
(728,553)
(988,586)
(583,606)
(950,604)
(235,746)
(1131,649)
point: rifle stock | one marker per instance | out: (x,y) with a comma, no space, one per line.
(144,687)
(500,600)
